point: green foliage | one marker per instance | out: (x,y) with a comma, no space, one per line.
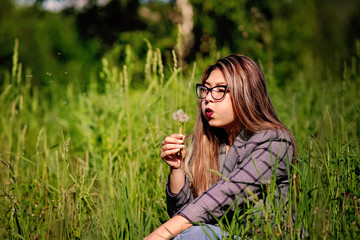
(280,34)
(81,124)
(50,46)
(67,46)
(86,164)
(108,21)
(269,31)
(52,152)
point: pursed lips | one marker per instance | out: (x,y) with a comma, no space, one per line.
(209,112)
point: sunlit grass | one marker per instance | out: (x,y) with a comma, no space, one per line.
(85,164)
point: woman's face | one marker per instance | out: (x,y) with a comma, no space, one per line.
(218,113)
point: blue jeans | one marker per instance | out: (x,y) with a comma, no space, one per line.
(204,232)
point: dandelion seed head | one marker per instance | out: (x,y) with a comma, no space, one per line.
(184,118)
(180,116)
(175,116)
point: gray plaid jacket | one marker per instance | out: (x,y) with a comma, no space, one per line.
(250,163)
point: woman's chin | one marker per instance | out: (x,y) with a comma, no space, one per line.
(214,124)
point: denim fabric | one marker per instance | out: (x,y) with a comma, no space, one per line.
(204,232)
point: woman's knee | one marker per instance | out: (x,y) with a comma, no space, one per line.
(205,232)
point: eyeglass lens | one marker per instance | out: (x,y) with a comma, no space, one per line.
(217,92)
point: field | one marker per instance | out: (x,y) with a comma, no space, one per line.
(83,162)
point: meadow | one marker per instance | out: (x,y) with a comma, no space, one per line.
(83,163)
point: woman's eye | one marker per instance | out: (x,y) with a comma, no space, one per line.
(219,90)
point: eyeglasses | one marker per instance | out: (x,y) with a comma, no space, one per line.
(217,92)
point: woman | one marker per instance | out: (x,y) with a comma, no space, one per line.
(237,134)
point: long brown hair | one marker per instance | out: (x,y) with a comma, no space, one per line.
(253,109)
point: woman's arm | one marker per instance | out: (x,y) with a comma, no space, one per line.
(170,229)
(175,202)
(176,179)
(178,191)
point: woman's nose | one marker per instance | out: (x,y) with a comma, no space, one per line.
(209,97)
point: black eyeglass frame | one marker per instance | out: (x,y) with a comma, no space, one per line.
(210,90)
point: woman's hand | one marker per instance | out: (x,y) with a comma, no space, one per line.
(170,150)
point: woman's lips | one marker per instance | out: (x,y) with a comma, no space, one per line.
(209,112)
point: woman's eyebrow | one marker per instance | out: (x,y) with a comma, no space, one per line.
(216,84)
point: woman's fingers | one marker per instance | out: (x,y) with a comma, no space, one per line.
(174,139)
(172,146)
(171,157)
(170,149)
(169,153)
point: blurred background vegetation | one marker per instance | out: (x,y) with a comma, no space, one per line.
(87,88)
(69,42)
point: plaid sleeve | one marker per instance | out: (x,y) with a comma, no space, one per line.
(252,172)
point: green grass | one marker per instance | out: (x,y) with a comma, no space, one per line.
(84,164)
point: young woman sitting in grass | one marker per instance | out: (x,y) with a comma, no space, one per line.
(237,134)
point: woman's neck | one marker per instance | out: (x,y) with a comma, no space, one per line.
(232,134)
